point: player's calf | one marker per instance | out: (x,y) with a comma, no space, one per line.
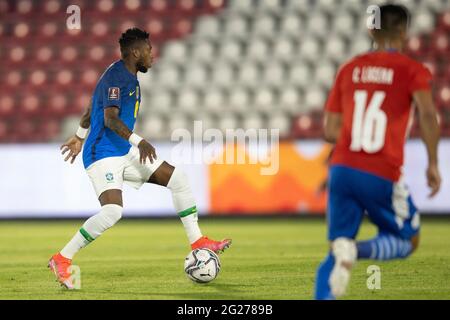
(387,247)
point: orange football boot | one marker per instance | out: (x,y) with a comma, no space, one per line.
(216,246)
(60,265)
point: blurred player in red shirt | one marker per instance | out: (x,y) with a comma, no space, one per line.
(367,116)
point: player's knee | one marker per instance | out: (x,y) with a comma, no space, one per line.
(344,248)
(178,180)
(112,213)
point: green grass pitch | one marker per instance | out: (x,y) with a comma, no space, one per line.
(269,259)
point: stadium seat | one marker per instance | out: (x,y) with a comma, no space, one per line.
(310,49)
(196,75)
(7,106)
(254,121)
(314,98)
(230,51)
(239,99)
(273,75)
(248,75)
(263,26)
(290,100)
(258,50)
(291,25)
(227,121)
(281,122)
(213,100)
(207,27)
(154,127)
(203,51)
(187,101)
(264,100)
(235,27)
(223,75)
(284,49)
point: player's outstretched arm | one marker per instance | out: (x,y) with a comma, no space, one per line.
(75,143)
(113,122)
(429,128)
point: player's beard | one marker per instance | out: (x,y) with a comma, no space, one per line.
(141,67)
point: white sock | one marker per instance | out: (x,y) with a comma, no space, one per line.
(184,204)
(74,245)
(191,227)
(92,229)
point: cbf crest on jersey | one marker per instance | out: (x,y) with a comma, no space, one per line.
(113,93)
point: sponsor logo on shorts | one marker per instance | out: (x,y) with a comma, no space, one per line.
(109,177)
(113,93)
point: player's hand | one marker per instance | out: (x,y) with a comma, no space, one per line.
(146,150)
(74,145)
(433,179)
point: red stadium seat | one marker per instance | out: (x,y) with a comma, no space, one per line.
(181,28)
(57,104)
(441,43)
(443,96)
(81,103)
(17,54)
(89,76)
(44,54)
(13,78)
(7,106)
(69,53)
(105,6)
(49,130)
(30,104)
(417,45)
(100,28)
(52,6)
(158,6)
(132,5)
(97,53)
(186,7)
(444,21)
(155,27)
(22,30)
(64,77)
(24,7)
(48,29)
(307,126)
(38,77)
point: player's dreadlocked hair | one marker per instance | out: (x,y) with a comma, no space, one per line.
(394,18)
(129,38)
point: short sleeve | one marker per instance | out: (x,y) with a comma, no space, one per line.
(334,101)
(421,79)
(111,93)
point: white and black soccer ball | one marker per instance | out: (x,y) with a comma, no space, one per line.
(202,265)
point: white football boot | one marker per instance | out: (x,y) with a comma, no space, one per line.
(344,251)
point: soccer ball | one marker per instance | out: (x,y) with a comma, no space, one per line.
(202,265)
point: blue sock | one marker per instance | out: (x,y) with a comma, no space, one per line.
(384,247)
(323,291)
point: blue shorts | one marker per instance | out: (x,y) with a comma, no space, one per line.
(353,192)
